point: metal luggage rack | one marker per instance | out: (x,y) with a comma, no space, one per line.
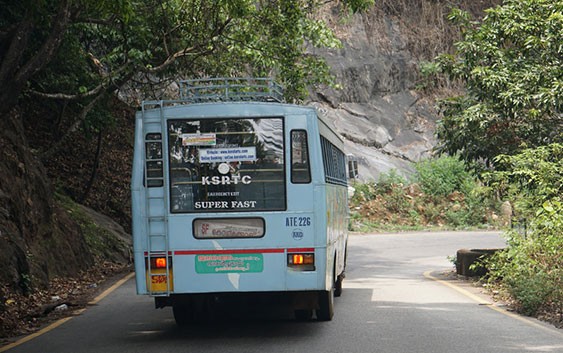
(230,90)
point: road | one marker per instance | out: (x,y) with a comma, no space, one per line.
(390,304)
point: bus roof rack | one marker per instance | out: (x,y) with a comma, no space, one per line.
(230,90)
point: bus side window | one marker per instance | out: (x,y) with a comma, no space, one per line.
(300,168)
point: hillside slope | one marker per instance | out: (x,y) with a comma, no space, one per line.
(382,110)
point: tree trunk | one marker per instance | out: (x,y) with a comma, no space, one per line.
(94,168)
(15,71)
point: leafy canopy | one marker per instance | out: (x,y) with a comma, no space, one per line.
(512,64)
(73,56)
(530,178)
(117,41)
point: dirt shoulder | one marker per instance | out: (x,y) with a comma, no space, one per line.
(26,314)
(489,295)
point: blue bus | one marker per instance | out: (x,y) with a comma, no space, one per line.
(237,194)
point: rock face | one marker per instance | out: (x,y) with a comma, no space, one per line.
(386,124)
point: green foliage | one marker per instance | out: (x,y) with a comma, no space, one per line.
(443,194)
(431,74)
(530,178)
(389,181)
(532,267)
(80,55)
(146,44)
(271,39)
(511,119)
(359,5)
(511,64)
(448,177)
(363,192)
(442,176)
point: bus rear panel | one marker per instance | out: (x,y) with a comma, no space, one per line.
(236,199)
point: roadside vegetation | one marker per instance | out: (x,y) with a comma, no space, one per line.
(508,127)
(441,194)
(531,268)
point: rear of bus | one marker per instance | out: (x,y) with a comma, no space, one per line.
(226,203)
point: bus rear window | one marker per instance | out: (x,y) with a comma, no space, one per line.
(226,164)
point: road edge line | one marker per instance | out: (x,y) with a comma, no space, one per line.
(488,304)
(59,322)
(111,289)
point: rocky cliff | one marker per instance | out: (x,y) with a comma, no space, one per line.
(387,123)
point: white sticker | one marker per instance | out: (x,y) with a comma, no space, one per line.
(223,168)
(219,155)
(199,139)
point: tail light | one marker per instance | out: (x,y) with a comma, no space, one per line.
(301,261)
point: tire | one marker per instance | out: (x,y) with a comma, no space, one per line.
(303,314)
(183,314)
(325,312)
(340,278)
(338,286)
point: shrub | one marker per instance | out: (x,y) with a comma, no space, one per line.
(532,266)
(363,192)
(389,181)
(393,201)
(443,176)
(529,178)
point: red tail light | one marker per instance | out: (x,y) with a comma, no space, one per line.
(301,261)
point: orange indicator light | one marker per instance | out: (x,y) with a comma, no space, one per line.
(160,262)
(304,259)
(298,259)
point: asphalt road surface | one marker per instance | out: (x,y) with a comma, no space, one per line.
(391,302)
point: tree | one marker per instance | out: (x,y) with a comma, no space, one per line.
(62,62)
(511,119)
(77,53)
(511,63)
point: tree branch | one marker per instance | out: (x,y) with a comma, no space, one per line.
(172,58)
(97,21)
(81,118)
(14,70)
(15,51)
(105,82)
(69,97)
(47,51)
(55,146)
(191,50)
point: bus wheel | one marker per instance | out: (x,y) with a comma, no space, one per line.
(338,286)
(303,314)
(183,313)
(325,312)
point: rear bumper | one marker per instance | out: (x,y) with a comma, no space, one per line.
(230,271)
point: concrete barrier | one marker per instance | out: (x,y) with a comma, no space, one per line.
(467,257)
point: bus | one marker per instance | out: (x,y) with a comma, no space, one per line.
(236,193)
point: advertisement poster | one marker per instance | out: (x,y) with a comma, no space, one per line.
(229,263)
